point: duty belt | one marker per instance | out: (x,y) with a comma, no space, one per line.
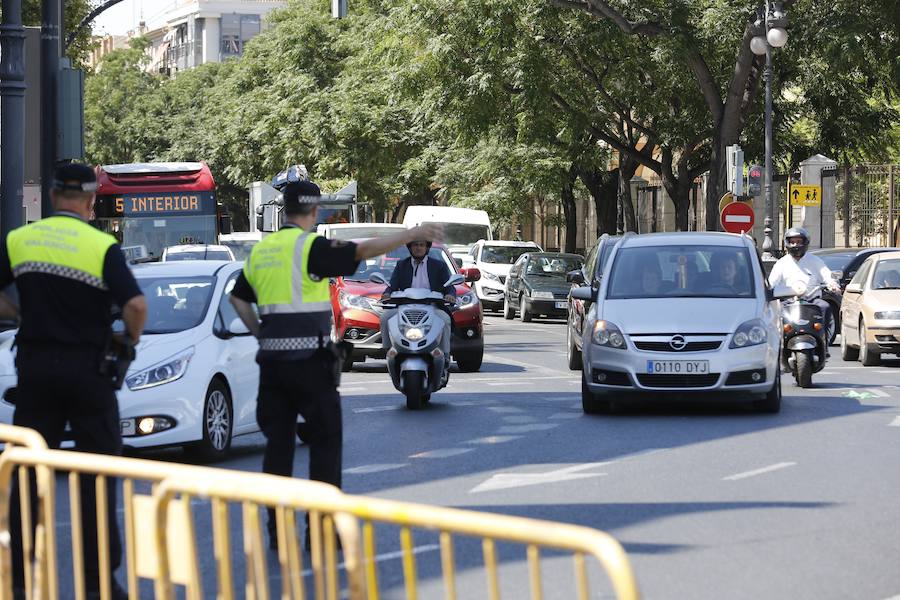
(288,344)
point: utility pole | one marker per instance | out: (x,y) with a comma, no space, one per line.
(12,116)
(51,51)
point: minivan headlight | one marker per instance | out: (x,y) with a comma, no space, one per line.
(607,334)
(166,371)
(751,333)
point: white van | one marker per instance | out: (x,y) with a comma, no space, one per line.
(357,231)
(241,242)
(462,226)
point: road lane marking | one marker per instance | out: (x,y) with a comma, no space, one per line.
(526,428)
(371,409)
(895,422)
(441,453)
(761,471)
(502,481)
(494,439)
(366,469)
(509,361)
(878,393)
(380,558)
(506,383)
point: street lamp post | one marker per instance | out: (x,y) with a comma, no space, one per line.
(775,21)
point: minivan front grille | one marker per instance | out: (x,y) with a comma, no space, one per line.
(666,347)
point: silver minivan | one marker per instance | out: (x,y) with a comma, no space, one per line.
(681,312)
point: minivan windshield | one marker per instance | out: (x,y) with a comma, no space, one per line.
(681,272)
(357,233)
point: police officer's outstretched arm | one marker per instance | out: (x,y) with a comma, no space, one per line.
(378,246)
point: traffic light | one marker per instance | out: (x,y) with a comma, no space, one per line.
(754,181)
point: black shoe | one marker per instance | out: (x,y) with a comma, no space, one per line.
(116,592)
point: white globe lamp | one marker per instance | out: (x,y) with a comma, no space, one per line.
(758,45)
(777,37)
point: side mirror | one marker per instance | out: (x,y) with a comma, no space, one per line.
(471,274)
(237,327)
(456,279)
(576,277)
(853,288)
(585,294)
(378,278)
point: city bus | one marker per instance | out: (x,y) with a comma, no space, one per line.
(156,205)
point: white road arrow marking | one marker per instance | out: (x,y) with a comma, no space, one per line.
(895,422)
(761,471)
(503,481)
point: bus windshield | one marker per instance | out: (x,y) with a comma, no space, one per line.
(156,205)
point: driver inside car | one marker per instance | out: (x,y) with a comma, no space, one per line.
(424,272)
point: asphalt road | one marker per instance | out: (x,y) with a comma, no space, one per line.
(710,500)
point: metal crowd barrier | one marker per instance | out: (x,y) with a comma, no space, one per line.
(161,544)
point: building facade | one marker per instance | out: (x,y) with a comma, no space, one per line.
(190,33)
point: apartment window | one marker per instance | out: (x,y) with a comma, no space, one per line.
(237,30)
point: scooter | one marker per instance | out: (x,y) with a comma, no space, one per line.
(416,363)
(804,348)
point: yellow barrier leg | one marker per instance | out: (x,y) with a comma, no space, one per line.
(448,565)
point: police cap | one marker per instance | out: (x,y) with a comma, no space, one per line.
(302,192)
(74,177)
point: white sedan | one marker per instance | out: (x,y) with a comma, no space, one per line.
(194,382)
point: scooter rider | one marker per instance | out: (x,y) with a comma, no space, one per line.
(801,270)
(420,271)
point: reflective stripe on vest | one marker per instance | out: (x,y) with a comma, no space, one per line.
(60,246)
(281,282)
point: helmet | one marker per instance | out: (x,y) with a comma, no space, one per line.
(427,244)
(796,250)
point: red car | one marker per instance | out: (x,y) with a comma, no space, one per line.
(357,317)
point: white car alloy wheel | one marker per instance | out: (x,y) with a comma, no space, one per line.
(217,422)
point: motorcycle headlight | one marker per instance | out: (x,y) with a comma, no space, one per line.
(542,295)
(467,300)
(607,334)
(751,333)
(414,333)
(348,300)
(888,315)
(162,372)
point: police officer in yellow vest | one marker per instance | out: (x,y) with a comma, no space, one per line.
(286,276)
(68,276)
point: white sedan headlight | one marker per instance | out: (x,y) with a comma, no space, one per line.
(607,334)
(751,333)
(167,371)
(490,276)
(542,295)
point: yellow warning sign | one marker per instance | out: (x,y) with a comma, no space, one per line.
(805,195)
(727,199)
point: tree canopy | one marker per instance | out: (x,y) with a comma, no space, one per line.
(498,104)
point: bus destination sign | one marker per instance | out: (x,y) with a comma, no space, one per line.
(165,204)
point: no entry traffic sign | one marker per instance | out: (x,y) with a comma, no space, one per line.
(737,217)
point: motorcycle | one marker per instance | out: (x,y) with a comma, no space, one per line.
(804,348)
(416,363)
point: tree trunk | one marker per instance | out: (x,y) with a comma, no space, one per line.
(627,168)
(679,190)
(570,211)
(716,183)
(603,186)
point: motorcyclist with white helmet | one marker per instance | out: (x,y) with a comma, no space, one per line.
(803,271)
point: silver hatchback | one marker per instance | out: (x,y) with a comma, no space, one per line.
(681,312)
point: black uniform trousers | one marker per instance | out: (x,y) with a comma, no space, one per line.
(307,387)
(59,385)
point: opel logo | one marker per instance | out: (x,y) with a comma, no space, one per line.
(677,342)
